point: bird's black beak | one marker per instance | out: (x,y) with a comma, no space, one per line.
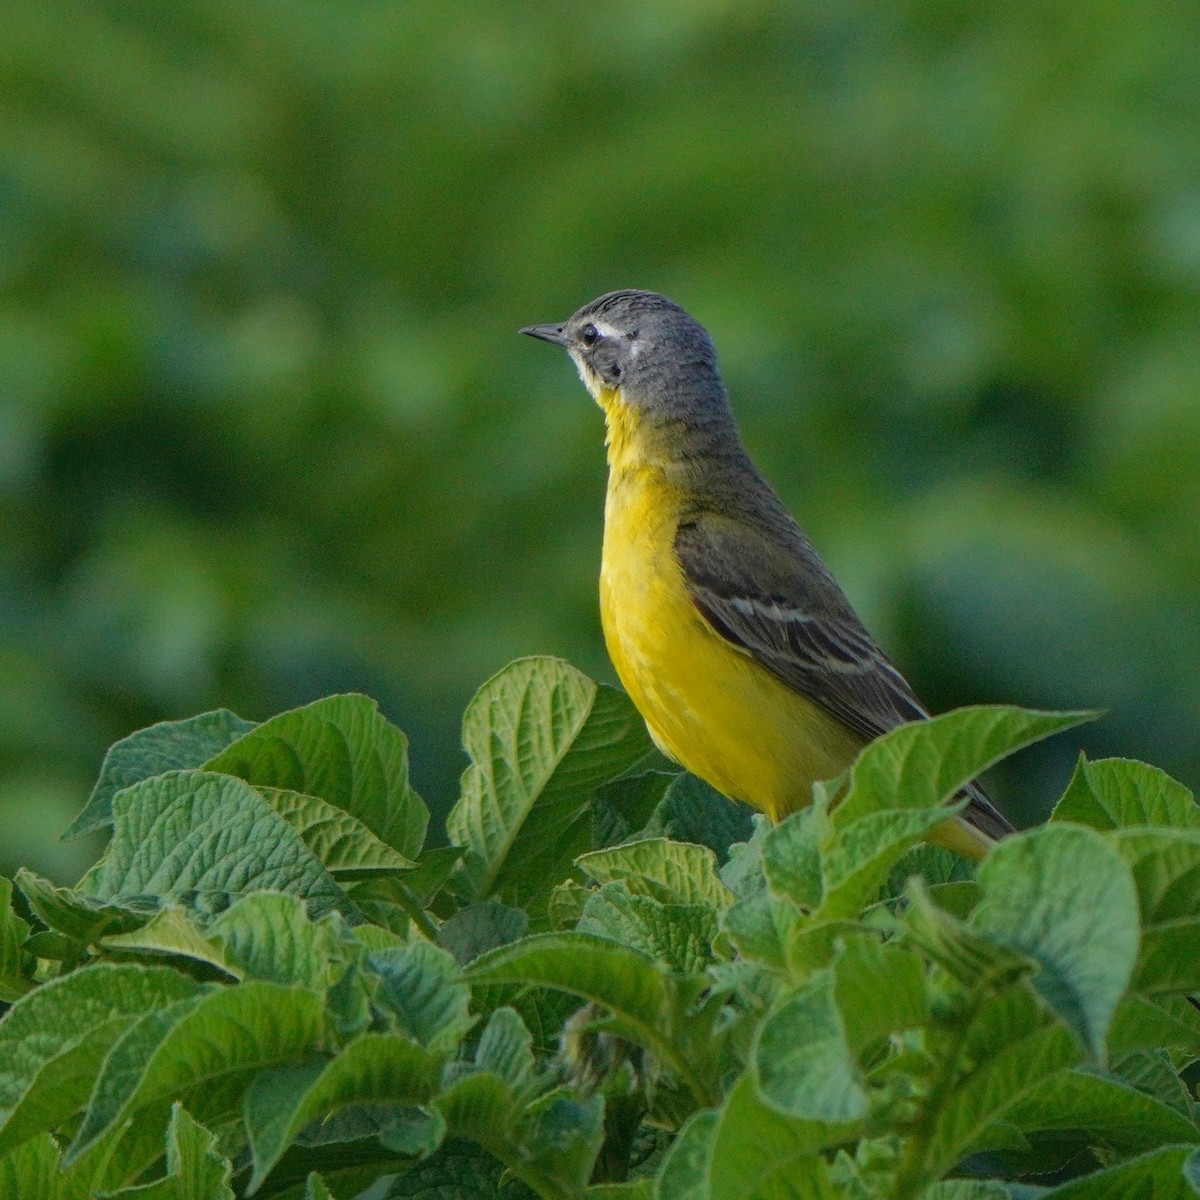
(548,333)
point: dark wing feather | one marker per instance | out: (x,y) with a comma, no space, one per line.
(764,589)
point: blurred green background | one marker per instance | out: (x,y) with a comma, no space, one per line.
(267,430)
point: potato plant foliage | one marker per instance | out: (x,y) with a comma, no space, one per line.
(611,983)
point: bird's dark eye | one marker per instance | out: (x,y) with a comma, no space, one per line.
(588,335)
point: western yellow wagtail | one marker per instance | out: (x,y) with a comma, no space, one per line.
(735,642)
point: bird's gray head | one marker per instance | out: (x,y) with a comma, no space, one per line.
(644,349)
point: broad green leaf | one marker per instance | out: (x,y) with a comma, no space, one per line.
(54,1039)
(198,831)
(1153,1072)
(14,959)
(879,990)
(481,927)
(167,746)
(565,1135)
(541,737)
(973,958)
(269,936)
(1117,793)
(1172,1173)
(33,1171)
(265,935)
(343,843)
(633,1189)
(375,1068)
(791,856)
(506,1050)
(743,873)
(1064,897)
(934,864)
(202,1051)
(669,872)
(422,989)
(976,1189)
(694,811)
(680,935)
(802,1062)
(763,927)
(1143,1023)
(315,1189)
(344,751)
(647,1005)
(622,979)
(459,1170)
(1166,871)
(1010,1059)
(762,1154)
(1170,958)
(685,1171)
(621,809)
(196,1169)
(80,918)
(923,764)
(171,933)
(1105,1112)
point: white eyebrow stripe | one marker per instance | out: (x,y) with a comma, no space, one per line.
(604,329)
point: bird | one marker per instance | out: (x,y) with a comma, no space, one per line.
(734,641)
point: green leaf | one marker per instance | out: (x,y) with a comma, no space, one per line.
(1064,897)
(375,1068)
(622,979)
(1153,1072)
(269,936)
(1116,793)
(1102,1111)
(1012,1050)
(833,861)
(879,990)
(506,1050)
(647,1005)
(171,933)
(167,746)
(53,1040)
(15,960)
(422,989)
(266,935)
(83,920)
(791,856)
(763,927)
(923,764)
(1168,1021)
(761,1154)
(198,831)
(196,1169)
(1172,1173)
(685,1171)
(622,808)
(344,751)
(680,935)
(802,1061)
(33,1171)
(694,811)
(202,1051)
(343,843)
(459,1170)
(480,927)
(541,737)
(669,872)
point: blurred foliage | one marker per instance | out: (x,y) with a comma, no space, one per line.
(267,431)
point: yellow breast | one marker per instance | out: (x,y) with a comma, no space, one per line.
(709,706)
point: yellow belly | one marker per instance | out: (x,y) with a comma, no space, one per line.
(709,706)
